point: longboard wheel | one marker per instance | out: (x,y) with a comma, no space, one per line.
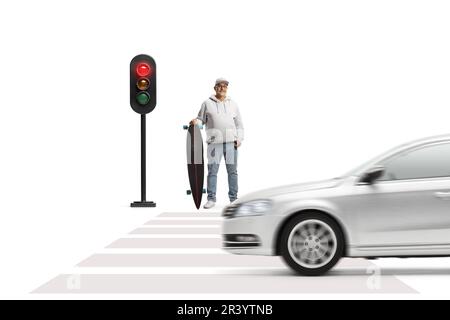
(188,192)
(185,127)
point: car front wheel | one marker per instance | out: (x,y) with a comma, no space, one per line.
(311,244)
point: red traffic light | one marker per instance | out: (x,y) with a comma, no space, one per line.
(143,69)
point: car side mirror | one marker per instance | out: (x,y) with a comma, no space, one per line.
(372,175)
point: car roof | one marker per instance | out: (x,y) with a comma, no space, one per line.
(432,139)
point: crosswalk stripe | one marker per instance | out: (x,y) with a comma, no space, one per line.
(180,222)
(166,243)
(181,226)
(168,235)
(190,214)
(162,251)
(178,231)
(216,283)
(187,219)
(176,270)
(180,260)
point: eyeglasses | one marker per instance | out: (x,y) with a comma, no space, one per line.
(222,86)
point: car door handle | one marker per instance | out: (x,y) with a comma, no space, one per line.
(442,195)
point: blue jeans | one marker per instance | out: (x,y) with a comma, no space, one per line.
(215,152)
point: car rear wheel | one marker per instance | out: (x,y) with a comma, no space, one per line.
(311,244)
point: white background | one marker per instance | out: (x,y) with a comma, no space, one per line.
(322,86)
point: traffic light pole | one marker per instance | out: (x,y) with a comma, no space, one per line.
(143,159)
(143,202)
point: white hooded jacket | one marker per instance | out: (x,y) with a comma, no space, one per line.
(223,120)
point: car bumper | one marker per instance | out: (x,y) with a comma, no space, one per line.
(250,235)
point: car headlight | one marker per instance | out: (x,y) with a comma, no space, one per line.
(253,208)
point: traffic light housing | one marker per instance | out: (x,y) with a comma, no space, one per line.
(143,84)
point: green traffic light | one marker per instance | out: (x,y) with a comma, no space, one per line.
(143,98)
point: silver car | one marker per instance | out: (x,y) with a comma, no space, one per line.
(396,205)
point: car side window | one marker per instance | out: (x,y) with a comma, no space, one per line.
(431,161)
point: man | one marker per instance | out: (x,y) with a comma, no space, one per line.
(224,132)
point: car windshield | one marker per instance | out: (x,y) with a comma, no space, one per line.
(365,164)
(358,168)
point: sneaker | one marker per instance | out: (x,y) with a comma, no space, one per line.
(209,204)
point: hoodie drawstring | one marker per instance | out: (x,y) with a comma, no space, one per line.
(224,107)
(217,105)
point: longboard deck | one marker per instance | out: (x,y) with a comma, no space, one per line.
(195,163)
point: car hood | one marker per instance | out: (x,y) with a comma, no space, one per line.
(281,190)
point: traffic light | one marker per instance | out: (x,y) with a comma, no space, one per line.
(143,84)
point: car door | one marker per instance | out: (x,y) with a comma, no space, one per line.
(409,206)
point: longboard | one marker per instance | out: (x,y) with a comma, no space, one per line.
(195,163)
